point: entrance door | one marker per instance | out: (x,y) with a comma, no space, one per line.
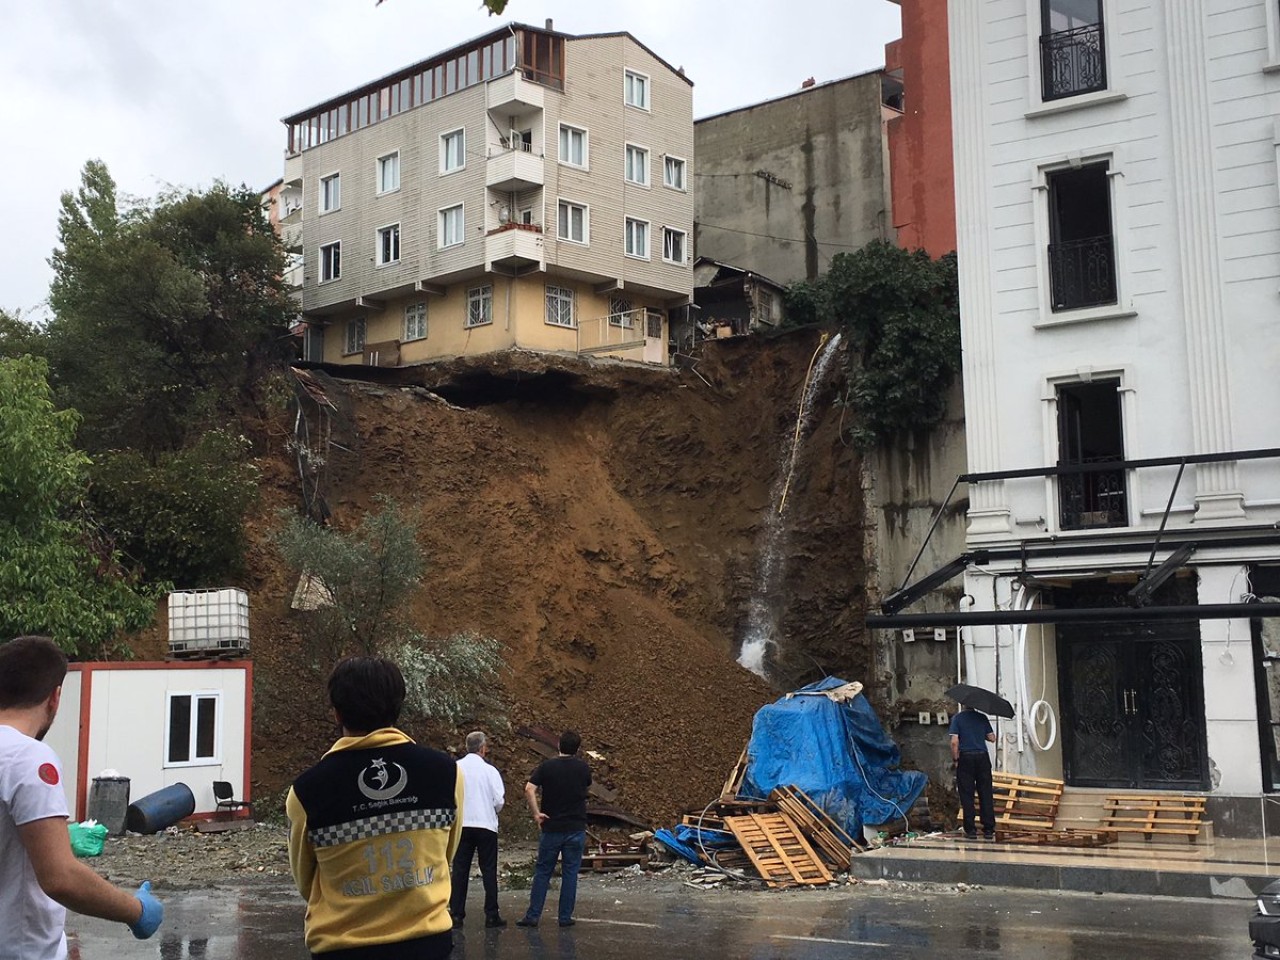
(1133,708)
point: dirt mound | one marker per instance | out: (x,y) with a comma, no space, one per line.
(602,522)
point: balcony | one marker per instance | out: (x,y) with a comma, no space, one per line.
(512,93)
(1094,499)
(1082,273)
(1073,62)
(514,248)
(513,170)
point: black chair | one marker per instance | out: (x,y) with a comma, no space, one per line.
(225,796)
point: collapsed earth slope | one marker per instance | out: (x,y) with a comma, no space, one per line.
(601,521)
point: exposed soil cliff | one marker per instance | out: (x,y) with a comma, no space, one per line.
(602,521)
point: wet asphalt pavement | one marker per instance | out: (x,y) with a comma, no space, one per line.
(670,922)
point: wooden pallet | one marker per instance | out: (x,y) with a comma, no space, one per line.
(1024,804)
(1172,815)
(778,850)
(606,862)
(733,782)
(827,837)
(1070,837)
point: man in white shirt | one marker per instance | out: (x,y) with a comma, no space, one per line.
(482,797)
(39,875)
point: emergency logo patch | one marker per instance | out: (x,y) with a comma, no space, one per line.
(48,773)
(375,780)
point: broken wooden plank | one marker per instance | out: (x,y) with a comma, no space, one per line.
(830,840)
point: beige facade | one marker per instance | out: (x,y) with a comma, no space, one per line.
(529,189)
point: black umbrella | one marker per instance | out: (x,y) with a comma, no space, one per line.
(982,699)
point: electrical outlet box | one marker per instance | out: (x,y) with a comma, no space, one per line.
(943,719)
(925,717)
(908,635)
(940,634)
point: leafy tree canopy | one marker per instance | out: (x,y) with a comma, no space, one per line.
(900,310)
(56,576)
(165,314)
(178,516)
(18,337)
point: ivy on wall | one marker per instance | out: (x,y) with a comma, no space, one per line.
(900,311)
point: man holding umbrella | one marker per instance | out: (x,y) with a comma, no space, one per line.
(970,733)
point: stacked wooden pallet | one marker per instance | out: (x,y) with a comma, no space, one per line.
(1170,815)
(1027,810)
(778,850)
(828,837)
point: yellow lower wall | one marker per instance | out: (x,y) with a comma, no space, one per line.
(519,320)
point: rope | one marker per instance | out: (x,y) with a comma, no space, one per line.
(795,441)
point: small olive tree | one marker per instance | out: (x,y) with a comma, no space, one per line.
(359,585)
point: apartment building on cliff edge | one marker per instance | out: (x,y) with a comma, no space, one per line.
(528,189)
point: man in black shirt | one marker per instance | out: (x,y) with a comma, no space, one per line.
(562,818)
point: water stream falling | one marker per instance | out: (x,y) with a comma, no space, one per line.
(762,613)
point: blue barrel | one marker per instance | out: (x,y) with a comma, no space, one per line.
(161,809)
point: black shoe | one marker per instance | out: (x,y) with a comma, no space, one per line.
(971,836)
(457,923)
(567,923)
(989,836)
(526,922)
(494,921)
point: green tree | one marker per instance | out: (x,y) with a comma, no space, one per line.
(179,516)
(359,585)
(165,315)
(56,576)
(900,310)
(18,337)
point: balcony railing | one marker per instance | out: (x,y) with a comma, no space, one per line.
(1096,499)
(1073,62)
(1082,273)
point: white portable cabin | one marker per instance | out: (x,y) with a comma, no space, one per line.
(157,723)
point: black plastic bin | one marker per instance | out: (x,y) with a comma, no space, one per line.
(109,802)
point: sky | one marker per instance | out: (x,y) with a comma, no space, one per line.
(173,93)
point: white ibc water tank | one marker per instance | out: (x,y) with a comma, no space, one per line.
(208,621)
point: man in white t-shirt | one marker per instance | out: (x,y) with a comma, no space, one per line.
(39,875)
(482,798)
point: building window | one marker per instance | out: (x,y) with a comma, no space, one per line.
(191,729)
(389,172)
(353,341)
(1082,260)
(389,245)
(480,305)
(635,90)
(330,192)
(673,173)
(559,306)
(673,245)
(451,226)
(620,313)
(653,324)
(637,239)
(331,261)
(1090,433)
(573,222)
(1072,48)
(453,151)
(573,145)
(637,165)
(415,321)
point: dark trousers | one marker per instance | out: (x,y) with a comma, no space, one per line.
(973,774)
(484,843)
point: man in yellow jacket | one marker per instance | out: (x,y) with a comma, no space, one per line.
(373,827)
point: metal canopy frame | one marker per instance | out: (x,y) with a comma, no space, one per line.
(1139,597)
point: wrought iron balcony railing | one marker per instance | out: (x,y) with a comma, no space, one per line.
(1082,273)
(1073,62)
(1095,499)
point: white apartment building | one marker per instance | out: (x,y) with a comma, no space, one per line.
(527,189)
(1119,248)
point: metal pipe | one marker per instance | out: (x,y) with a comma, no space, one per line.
(1204,611)
(1155,545)
(929,533)
(1078,468)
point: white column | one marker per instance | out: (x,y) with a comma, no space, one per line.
(1230,698)
(989,514)
(1218,495)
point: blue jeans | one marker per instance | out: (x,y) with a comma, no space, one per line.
(568,848)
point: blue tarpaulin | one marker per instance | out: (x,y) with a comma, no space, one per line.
(836,752)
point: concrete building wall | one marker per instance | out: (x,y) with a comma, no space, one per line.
(786,184)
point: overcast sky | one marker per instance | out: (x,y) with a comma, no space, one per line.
(183,92)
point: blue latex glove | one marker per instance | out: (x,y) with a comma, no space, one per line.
(152,913)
